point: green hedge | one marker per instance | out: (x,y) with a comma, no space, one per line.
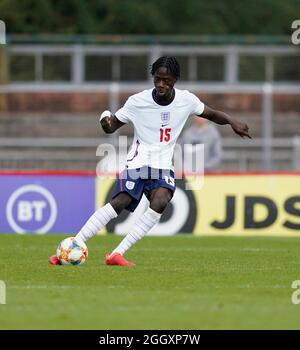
(150,16)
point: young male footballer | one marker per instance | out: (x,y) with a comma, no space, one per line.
(158,116)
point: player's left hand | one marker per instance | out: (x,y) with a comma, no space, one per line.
(240,128)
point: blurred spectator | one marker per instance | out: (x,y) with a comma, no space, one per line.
(203,132)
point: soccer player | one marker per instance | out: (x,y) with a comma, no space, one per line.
(158,116)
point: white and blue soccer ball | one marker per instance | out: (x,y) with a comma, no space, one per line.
(70,251)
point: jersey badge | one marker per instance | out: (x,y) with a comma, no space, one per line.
(165,118)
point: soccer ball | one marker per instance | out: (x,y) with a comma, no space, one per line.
(71,251)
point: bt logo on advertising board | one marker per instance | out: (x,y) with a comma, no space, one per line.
(31,208)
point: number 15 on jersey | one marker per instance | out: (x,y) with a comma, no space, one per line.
(165,135)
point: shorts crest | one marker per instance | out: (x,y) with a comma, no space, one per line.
(130,185)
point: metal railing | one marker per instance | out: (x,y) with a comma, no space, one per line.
(230,83)
(231,55)
(142,39)
(266,90)
(36,153)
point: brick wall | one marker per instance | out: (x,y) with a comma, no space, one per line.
(90,102)
(56,102)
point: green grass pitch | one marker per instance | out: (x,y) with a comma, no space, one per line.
(180,282)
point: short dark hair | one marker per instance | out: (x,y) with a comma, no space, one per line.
(168,62)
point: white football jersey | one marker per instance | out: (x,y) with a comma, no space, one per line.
(156,127)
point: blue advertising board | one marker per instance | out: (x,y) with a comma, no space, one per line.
(45,203)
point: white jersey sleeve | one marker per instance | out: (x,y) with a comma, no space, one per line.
(127,112)
(197,106)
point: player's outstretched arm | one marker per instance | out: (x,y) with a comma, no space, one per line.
(222,118)
(109,122)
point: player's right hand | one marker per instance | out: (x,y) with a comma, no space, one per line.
(105,120)
(105,114)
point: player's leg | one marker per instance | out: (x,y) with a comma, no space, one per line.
(159,198)
(127,195)
(103,215)
(99,219)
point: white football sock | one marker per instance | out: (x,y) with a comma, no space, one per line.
(140,228)
(95,223)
